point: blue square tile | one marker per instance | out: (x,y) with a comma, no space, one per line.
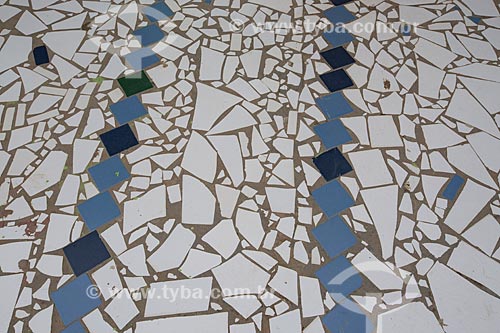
(118,139)
(332,133)
(76,327)
(158,11)
(334,105)
(72,300)
(98,210)
(332,164)
(332,198)
(347,317)
(339,14)
(149,35)
(451,190)
(337,57)
(334,236)
(86,253)
(142,58)
(109,173)
(128,109)
(336,80)
(41,55)
(340,278)
(338,37)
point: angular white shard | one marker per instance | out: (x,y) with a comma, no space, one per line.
(198,204)
(122,309)
(480,71)
(41,322)
(383,132)
(211,103)
(83,151)
(58,232)
(12,254)
(482,7)
(9,286)
(376,271)
(212,323)
(485,92)
(249,226)
(198,262)
(486,147)
(410,318)
(251,62)
(108,280)
(460,108)
(370,167)
(461,306)
(223,238)
(434,53)
(228,148)
(211,64)
(31,80)
(281,200)
(240,276)
(245,305)
(311,300)
(47,174)
(237,118)
(145,208)
(179,296)
(282,6)
(200,158)
(227,198)
(465,159)
(65,69)
(476,265)
(20,136)
(440,136)
(15,51)
(172,252)
(288,322)
(484,234)
(430,79)
(285,282)
(29,24)
(382,204)
(64,43)
(471,201)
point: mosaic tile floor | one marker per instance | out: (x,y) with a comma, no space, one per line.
(279,166)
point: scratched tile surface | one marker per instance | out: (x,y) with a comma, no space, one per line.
(249,166)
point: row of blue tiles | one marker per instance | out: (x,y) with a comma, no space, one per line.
(338,276)
(75,299)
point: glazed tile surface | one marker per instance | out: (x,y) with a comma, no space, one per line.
(249,166)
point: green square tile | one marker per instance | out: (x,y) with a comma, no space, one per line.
(135,83)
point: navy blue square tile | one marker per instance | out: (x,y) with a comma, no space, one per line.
(41,55)
(337,57)
(347,317)
(340,2)
(339,15)
(336,80)
(332,164)
(86,253)
(118,139)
